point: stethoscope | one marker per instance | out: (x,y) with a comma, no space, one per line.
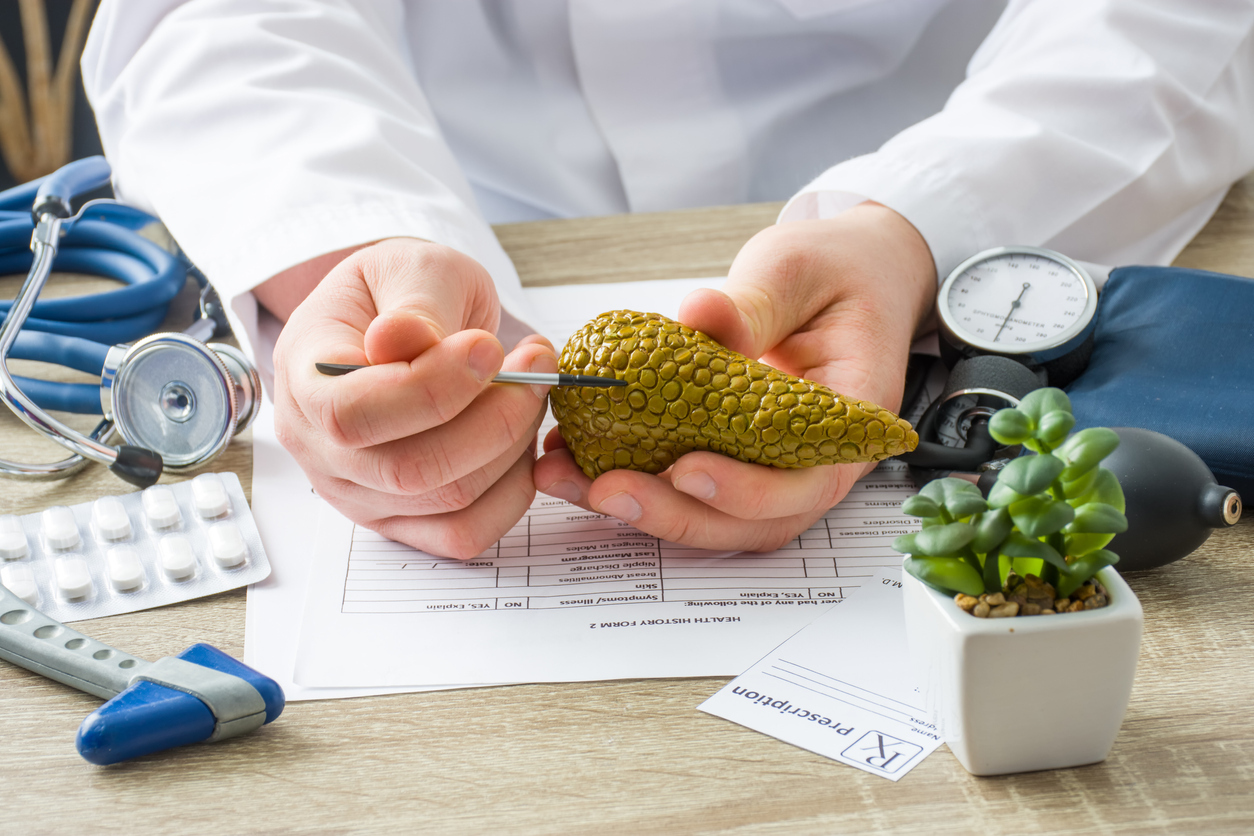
(175,400)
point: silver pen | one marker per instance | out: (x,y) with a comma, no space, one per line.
(543,378)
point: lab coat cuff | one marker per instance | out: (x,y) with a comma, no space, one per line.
(950,221)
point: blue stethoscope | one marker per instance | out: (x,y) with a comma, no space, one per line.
(175,400)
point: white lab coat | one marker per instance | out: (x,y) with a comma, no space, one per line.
(266,133)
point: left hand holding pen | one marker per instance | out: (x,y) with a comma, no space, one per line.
(836,301)
(421,447)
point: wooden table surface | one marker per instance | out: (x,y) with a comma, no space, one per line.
(636,756)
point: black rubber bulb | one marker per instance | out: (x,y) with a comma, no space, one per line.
(1173,500)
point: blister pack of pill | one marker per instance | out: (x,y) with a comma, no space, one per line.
(117,554)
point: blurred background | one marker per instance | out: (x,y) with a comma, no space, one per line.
(44,118)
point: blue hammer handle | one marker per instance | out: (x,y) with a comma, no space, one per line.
(202,694)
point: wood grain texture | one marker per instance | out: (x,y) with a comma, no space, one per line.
(628,248)
(636,756)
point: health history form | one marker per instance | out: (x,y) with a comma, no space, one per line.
(573,596)
(561,556)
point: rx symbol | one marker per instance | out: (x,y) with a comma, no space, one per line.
(880,751)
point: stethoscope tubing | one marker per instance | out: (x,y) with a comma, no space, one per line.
(77,332)
(71,352)
(89,447)
(152,277)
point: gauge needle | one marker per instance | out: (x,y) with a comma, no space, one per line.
(1013,306)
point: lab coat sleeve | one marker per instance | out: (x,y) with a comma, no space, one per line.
(264,134)
(1106,129)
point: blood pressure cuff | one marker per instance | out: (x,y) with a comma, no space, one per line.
(1174,352)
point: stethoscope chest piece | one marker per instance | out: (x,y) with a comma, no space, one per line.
(179,397)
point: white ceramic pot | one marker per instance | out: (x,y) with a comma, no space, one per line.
(1028,693)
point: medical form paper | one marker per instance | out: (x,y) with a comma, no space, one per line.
(840,687)
(568,595)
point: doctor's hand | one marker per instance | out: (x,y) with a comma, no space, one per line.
(836,301)
(421,447)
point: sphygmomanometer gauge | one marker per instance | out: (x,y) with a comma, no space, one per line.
(1030,304)
(1012,319)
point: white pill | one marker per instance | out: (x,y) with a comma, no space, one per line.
(178,560)
(226,544)
(160,507)
(126,572)
(209,494)
(110,518)
(73,578)
(20,580)
(60,529)
(13,545)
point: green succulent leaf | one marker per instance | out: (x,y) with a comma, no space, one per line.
(1103,488)
(920,506)
(1031,474)
(1053,428)
(1098,518)
(968,504)
(958,496)
(937,489)
(1017,545)
(1010,426)
(948,574)
(1002,495)
(1086,449)
(1040,402)
(1083,569)
(1078,545)
(991,530)
(1080,485)
(1037,517)
(944,540)
(992,571)
(905,543)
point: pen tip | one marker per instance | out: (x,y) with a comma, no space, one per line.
(336,368)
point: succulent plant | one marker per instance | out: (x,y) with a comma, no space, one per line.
(1050,514)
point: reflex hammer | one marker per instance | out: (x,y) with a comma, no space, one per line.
(201,694)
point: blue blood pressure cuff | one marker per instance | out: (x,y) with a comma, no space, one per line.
(1174,352)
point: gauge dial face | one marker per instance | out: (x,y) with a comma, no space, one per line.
(1017,300)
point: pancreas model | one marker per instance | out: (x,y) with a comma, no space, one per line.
(687,392)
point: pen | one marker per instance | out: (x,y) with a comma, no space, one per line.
(550,379)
